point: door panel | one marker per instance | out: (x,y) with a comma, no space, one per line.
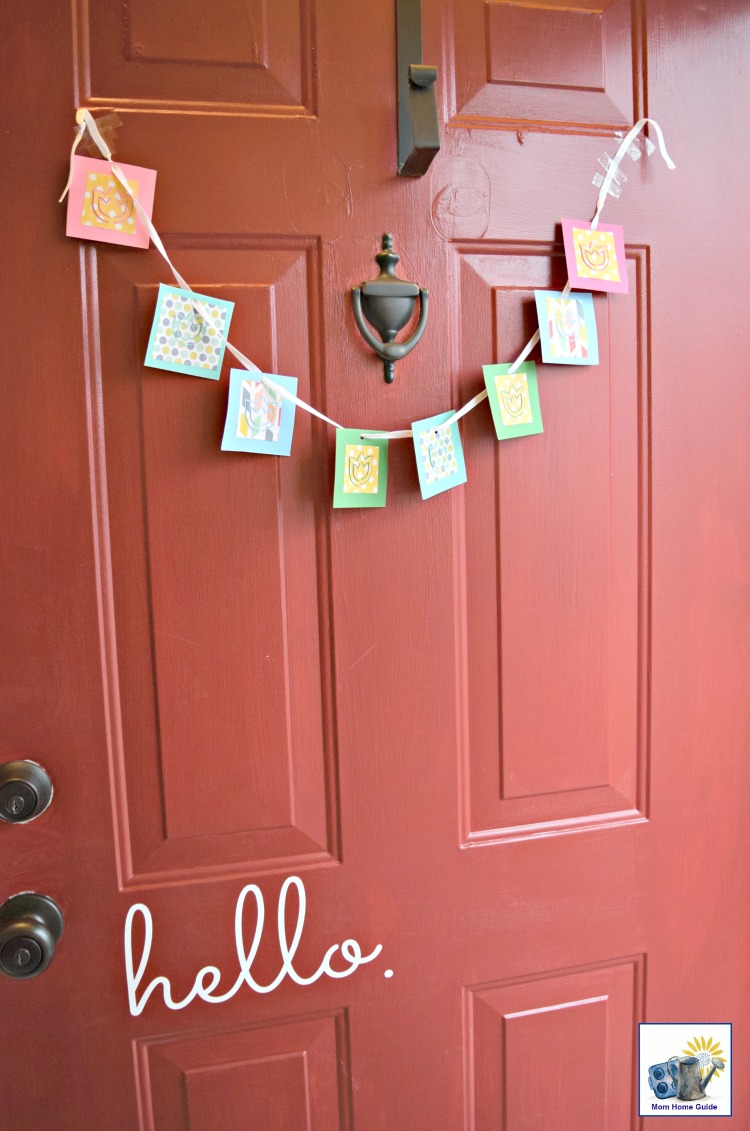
(569,67)
(555,656)
(203,659)
(499,732)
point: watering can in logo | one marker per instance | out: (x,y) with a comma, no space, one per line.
(690,1085)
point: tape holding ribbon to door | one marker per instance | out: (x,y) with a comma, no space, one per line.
(85,121)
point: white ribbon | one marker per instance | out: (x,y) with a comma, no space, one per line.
(85,121)
(615,165)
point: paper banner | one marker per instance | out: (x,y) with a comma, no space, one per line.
(567,327)
(514,400)
(258,418)
(361,476)
(440,456)
(100,209)
(595,257)
(180,339)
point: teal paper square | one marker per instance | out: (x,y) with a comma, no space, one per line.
(440,456)
(180,340)
(258,418)
(567,328)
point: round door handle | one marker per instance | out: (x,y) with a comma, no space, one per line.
(25,791)
(30,927)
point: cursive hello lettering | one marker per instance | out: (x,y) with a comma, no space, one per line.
(207,979)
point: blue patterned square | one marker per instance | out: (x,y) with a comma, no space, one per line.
(258,418)
(181,340)
(440,456)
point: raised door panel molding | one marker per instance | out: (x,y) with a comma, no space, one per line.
(249,56)
(555,611)
(555,1050)
(214,582)
(276,1075)
(551,65)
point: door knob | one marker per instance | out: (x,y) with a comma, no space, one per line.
(30,928)
(25,791)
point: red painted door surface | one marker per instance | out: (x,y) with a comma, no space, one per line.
(502,732)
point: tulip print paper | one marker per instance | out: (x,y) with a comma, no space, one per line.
(361,470)
(259,419)
(514,400)
(99,208)
(567,328)
(595,258)
(186,340)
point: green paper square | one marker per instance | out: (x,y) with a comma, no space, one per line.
(361,474)
(514,397)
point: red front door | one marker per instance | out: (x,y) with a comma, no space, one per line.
(498,733)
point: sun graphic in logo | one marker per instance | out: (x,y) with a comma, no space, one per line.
(705,1049)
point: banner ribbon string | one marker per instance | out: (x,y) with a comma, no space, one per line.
(85,121)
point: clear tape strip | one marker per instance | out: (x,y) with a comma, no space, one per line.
(627,141)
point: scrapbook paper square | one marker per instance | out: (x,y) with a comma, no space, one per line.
(259,419)
(440,456)
(514,400)
(186,340)
(361,476)
(567,325)
(100,209)
(595,259)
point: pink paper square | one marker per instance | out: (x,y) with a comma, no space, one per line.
(595,259)
(99,208)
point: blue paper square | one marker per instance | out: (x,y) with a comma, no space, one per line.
(567,328)
(440,456)
(180,340)
(258,418)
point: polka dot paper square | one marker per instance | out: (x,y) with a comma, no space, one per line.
(259,419)
(361,475)
(440,456)
(100,209)
(514,400)
(595,259)
(186,340)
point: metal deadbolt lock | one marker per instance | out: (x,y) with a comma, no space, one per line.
(30,927)
(25,791)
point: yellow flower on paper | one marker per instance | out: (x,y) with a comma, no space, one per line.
(596,254)
(107,205)
(361,469)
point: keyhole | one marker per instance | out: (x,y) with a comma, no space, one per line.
(22,957)
(15,805)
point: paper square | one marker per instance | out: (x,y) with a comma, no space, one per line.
(514,400)
(258,418)
(595,259)
(659,1044)
(361,476)
(440,456)
(100,209)
(568,328)
(180,340)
